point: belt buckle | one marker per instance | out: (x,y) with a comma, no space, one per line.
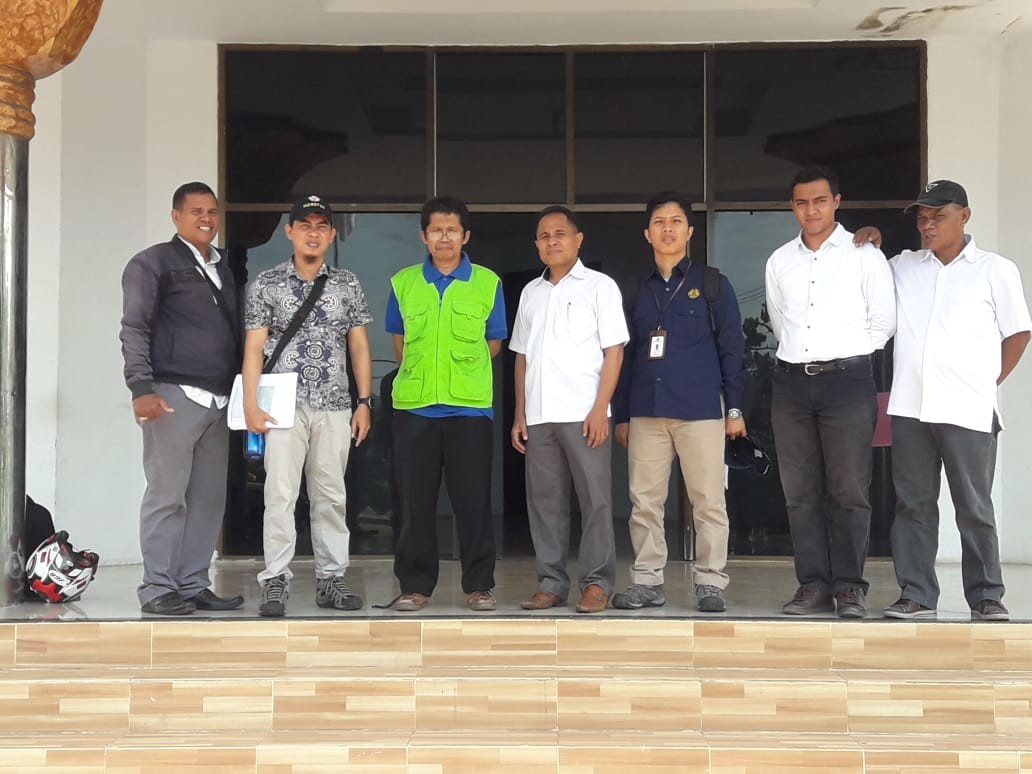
(812,369)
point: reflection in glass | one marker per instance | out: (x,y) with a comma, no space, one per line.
(856,110)
(304,122)
(501,127)
(638,125)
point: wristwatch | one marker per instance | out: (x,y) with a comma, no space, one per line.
(734,413)
(366,401)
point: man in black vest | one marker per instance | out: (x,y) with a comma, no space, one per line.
(181,346)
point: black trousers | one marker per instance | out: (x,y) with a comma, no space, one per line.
(460,447)
(823,426)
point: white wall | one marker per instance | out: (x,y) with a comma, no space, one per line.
(1015,241)
(135,116)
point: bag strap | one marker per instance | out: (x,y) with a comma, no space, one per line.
(296,322)
(711,292)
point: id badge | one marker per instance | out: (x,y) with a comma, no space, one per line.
(657,345)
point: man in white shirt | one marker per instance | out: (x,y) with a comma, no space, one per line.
(568,338)
(831,305)
(963,326)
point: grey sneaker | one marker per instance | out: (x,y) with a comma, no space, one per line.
(711,598)
(334,592)
(990,610)
(275,593)
(908,609)
(639,595)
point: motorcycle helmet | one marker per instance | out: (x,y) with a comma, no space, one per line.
(57,572)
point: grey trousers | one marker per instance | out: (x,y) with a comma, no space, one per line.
(557,453)
(185,455)
(920,452)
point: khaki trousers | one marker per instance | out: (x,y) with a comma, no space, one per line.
(318,443)
(699,445)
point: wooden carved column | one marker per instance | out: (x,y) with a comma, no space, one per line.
(37,38)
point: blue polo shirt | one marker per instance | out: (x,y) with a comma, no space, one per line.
(496,328)
(698,367)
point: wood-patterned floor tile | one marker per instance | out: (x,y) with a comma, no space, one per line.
(387,645)
(311,705)
(8,638)
(82,760)
(106,643)
(921,708)
(61,707)
(639,759)
(462,759)
(137,758)
(489,642)
(604,642)
(609,704)
(940,762)
(901,645)
(1013,708)
(312,754)
(773,706)
(1002,646)
(193,705)
(768,645)
(227,644)
(515,704)
(752,761)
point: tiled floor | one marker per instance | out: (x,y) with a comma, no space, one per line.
(758,589)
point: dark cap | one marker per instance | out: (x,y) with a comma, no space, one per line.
(939,193)
(742,454)
(310,205)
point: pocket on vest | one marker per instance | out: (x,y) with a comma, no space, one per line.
(408,384)
(468,378)
(415,322)
(467,321)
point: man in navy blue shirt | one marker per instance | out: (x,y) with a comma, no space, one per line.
(680,393)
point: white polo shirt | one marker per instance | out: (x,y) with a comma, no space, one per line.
(830,303)
(562,329)
(952,320)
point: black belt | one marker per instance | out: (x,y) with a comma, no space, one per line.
(823,366)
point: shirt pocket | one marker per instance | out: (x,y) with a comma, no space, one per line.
(467,321)
(688,324)
(581,322)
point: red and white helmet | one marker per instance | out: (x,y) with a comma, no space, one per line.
(59,573)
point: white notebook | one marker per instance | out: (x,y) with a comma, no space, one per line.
(277,395)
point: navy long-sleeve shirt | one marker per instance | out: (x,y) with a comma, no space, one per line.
(699,366)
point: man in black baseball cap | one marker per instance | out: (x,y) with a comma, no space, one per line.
(940,193)
(310,205)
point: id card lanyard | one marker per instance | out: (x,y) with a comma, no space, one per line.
(657,338)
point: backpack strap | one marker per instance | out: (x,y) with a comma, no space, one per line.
(711,292)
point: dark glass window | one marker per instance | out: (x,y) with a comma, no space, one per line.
(349,126)
(501,127)
(638,125)
(856,110)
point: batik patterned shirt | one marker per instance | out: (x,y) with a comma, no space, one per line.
(317,353)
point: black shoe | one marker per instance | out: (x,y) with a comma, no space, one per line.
(209,600)
(850,603)
(169,603)
(808,601)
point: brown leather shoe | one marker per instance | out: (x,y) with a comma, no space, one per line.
(542,600)
(593,600)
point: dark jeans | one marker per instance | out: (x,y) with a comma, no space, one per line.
(920,451)
(461,447)
(823,426)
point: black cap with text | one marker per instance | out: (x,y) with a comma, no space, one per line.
(310,205)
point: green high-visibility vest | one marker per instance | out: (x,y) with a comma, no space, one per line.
(446,358)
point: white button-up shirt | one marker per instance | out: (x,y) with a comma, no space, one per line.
(830,303)
(562,329)
(952,320)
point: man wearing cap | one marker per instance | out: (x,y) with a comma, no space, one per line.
(962,326)
(325,422)
(831,306)
(680,393)
(181,292)
(446,317)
